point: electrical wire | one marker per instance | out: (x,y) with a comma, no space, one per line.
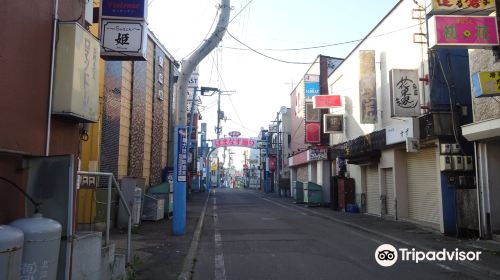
(249,2)
(35,204)
(206,36)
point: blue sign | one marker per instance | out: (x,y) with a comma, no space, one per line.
(135,9)
(311,89)
(181,154)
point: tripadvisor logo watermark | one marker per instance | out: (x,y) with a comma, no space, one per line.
(387,255)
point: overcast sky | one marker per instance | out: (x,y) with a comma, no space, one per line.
(261,85)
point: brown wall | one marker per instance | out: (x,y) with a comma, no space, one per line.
(25,56)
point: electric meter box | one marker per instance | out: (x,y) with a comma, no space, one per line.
(445,163)
(468,164)
(76,78)
(458,163)
(445,148)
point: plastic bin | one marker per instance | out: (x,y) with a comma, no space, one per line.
(165,191)
(299,192)
(313,193)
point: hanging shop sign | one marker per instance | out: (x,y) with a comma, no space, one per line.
(235,141)
(234,134)
(130,9)
(311,86)
(398,133)
(486,84)
(312,115)
(367,87)
(333,123)
(273,128)
(313,133)
(123,40)
(315,154)
(405,95)
(463,31)
(327,101)
(464,7)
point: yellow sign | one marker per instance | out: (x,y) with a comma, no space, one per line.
(478,7)
(213,167)
(486,83)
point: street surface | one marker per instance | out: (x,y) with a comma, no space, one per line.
(247,235)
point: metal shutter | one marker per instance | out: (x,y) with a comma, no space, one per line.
(423,189)
(372,190)
(389,191)
(302,173)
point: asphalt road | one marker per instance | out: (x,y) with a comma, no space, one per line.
(249,236)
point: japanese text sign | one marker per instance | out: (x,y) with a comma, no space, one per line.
(467,31)
(367,87)
(181,153)
(124,39)
(462,6)
(313,133)
(311,89)
(131,9)
(486,83)
(405,97)
(235,141)
(327,101)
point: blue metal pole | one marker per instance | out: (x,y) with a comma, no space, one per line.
(180,173)
(267,163)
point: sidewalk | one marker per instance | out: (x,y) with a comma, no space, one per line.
(405,234)
(160,254)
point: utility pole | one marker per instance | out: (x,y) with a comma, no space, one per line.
(180,164)
(218,128)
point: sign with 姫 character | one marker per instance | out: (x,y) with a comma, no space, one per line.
(405,96)
(486,84)
(367,86)
(123,40)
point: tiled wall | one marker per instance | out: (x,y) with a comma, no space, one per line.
(137,125)
(124,140)
(111,117)
(148,118)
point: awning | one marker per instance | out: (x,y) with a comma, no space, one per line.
(481,130)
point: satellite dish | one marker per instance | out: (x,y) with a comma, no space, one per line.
(283,109)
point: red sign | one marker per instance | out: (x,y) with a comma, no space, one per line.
(313,133)
(326,101)
(272,164)
(235,141)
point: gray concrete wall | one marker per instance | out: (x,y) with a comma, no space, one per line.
(483,108)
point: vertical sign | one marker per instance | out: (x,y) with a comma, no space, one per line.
(311,86)
(367,87)
(181,134)
(405,97)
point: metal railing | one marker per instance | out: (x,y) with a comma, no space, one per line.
(111,181)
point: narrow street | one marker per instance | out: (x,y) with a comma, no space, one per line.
(247,235)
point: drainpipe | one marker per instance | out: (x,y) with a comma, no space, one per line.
(51,82)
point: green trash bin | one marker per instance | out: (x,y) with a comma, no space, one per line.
(313,193)
(299,192)
(165,191)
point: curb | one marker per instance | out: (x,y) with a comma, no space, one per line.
(188,266)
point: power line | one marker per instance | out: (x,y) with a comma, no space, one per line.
(264,55)
(249,2)
(208,33)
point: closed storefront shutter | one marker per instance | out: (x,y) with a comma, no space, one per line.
(389,191)
(302,175)
(372,190)
(423,189)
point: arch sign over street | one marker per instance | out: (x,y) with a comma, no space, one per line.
(235,141)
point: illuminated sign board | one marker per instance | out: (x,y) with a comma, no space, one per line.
(313,133)
(131,9)
(327,101)
(486,84)
(235,141)
(123,40)
(476,7)
(465,31)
